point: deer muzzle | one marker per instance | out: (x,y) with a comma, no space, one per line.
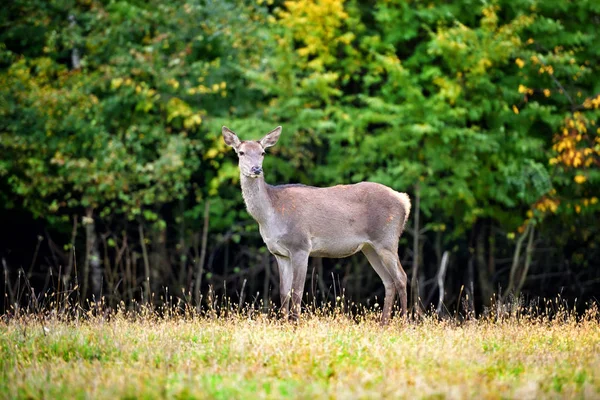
(256,170)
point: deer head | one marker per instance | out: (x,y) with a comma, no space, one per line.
(251,153)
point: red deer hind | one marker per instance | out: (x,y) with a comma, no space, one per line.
(297,221)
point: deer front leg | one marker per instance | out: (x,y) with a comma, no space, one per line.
(300,266)
(286,277)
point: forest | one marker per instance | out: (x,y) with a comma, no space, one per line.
(116,185)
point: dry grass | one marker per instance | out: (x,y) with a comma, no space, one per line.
(324,356)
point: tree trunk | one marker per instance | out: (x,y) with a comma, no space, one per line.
(317,284)
(516,257)
(92,266)
(528,256)
(470,296)
(183,250)
(483,269)
(7,287)
(75,59)
(67,273)
(414,286)
(159,257)
(146,262)
(440,281)
(200,260)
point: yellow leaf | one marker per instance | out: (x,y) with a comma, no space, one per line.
(191,121)
(116,83)
(580,179)
(211,153)
(173,83)
(520,62)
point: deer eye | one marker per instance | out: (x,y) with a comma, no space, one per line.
(241,153)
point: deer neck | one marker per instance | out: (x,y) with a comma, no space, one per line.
(256,197)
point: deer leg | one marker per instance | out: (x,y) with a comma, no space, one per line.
(286,276)
(401,283)
(391,261)
(388,282)
(300,266)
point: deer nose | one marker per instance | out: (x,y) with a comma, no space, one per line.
(256,170)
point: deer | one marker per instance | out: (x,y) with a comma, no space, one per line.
(297,222)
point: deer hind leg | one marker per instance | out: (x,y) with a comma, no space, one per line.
(392,263)
(379,266)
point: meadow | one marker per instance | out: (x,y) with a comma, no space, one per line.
(119,354)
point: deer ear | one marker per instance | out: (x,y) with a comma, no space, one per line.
(271,138)
(230,137)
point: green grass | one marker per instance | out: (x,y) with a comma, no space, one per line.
(322,357)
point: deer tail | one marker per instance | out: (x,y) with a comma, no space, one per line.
(405,201)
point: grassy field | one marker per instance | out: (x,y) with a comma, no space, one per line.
(332,356)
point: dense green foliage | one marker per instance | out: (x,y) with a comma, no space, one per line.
(110,115)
